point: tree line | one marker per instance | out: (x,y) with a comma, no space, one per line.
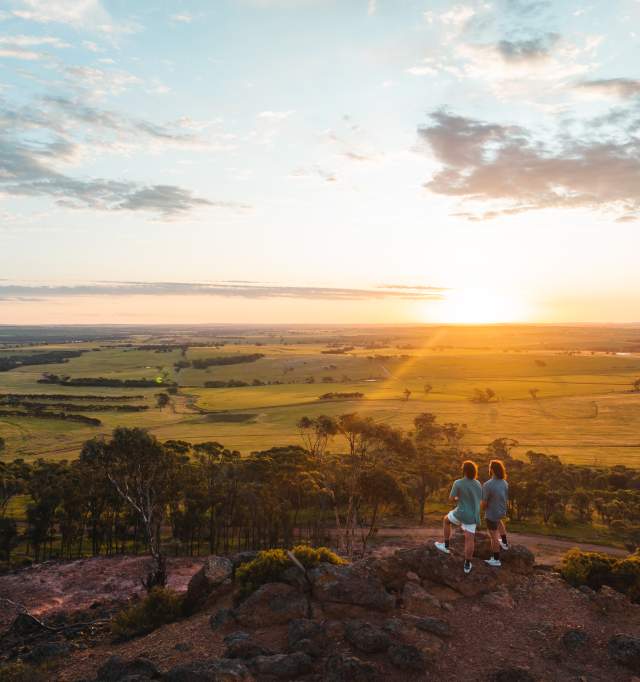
(131,492)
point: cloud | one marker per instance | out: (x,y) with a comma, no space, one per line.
(37,143)
(101,82)
(85,14)
(623,88)
(519,171)
(371,7)
(25,170)
(73,12)
(182,18)
(13,291)
(25,47)
(532,49)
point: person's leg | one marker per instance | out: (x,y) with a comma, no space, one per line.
(502,532)
(469,545)
(494,535)
(446,530)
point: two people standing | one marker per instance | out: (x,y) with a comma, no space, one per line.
(470,496)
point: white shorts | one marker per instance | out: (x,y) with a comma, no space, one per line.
(468,527)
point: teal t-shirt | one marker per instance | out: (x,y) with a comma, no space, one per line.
(469,494)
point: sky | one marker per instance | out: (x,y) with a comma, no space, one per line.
(319,161)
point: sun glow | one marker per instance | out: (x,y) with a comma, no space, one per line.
(479,306)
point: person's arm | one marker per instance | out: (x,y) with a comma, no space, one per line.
(453,495)
(484,503)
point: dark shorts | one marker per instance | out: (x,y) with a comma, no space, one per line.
(492,525)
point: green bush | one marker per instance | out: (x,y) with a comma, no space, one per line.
(626,576)
(18,671)
(159,607)
(595,570)
(270,565)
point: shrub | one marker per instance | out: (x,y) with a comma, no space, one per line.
(626,576)
(587,568)
(159,607)
(269,566)
(17,671)
(595,570)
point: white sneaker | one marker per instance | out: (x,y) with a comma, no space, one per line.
(468,567)
(504,545)
(443,548)
(493,562)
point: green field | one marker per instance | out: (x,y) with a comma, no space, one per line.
(585,410)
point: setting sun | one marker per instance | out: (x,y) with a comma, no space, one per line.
(479,306)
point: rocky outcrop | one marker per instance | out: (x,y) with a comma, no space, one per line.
(220,670)
(625,650)
(343,668)
(216,572)
(415,599)
(435,626)
(282,666)
(366,637)
(116,669)
(407,657)
(272,604)
(349,585)
(307,636)
(242,645)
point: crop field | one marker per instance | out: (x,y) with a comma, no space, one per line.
(559,390)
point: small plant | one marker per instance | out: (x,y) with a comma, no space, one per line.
(626,576)
(17,671)
(270,565)
(595,570)
(159,607)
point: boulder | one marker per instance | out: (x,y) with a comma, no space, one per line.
(218,670)
(282,666)
(240,558)
(272,604)
(366,637)
(215,572)
(446,569)
(307,636)
(116,669)
(348,585)
(242,645)
(407,657)
(390,570)
(342,668)
(499,599)
(43,652)
(574,640)
(417,600)
(514,674)
(221,618)
(435,626)
(518,559)
(611,602)
(625,650)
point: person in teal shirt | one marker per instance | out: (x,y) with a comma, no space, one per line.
(466,492)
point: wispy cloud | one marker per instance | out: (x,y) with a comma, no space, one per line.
(13,291)
(182,18)
(522,171)
(37,144)
(624,88)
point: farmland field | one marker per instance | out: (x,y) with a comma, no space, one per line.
(566,391)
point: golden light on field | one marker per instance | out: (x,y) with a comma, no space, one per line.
(479,306)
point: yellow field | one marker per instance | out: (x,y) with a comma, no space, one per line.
(584,409)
